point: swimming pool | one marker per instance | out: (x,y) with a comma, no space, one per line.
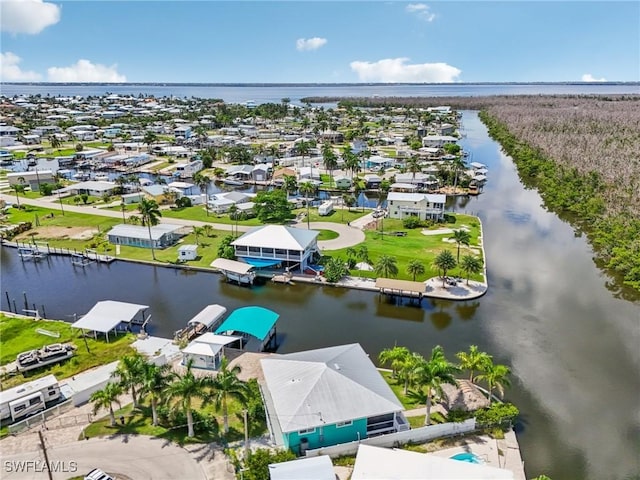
(467,457)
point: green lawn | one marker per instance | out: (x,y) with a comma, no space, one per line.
(19,335)
(398,389)
(327,235)
(139,422)
(199,213)
(337,216)
(414,245)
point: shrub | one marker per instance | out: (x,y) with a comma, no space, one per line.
(497,414)
(411,222)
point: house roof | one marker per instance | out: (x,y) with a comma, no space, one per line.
(277,236)
(417,197)
(208,315)
(326,386)
(107,315)
(373,463)
(138,231)
(90,185)
(312,468)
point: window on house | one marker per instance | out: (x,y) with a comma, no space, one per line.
(306,431)
(344,424)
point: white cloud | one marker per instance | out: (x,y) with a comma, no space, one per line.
(27,16)
(85,71)
(392,70)
(314,43)
(587,77)
(422,11)
(10,70)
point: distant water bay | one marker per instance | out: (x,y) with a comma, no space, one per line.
(264,93)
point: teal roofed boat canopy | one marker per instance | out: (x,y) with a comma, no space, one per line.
(256,321)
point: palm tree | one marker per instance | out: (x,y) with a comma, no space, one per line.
(415,267)
(149,138)
(457,164)
(203,182)
(496,377)
(471,265)
(473,360)
(461,237)
(227,384)
(395,357)
(290,184)
(153,381)
(407,370)
(330,160)
(432,374)
(19,188)
(234,214)
(105,398)
(444,262)
(363,254)
(54,141)
(386,267)
(129,372)
(307,188)
(413,166)
(149,212)
(198,231)
(185,389)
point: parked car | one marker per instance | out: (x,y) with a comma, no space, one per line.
(97,474)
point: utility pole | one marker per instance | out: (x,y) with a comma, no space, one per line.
(246,436)
(46,457)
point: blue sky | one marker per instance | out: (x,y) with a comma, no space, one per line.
(328,41)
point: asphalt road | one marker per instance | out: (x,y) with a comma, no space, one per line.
(124,457)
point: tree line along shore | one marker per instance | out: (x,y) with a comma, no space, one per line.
(579,151)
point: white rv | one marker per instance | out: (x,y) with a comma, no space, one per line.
(28,399)
(326,208)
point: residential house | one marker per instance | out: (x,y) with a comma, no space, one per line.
(221,202)
(271,245)
(9,131)
(308,173)
(342,182)
(162,235)
(261,172)
(183,131)
(421,180)
(438,141)
(32,179)
(187,170)
(445,129)
(91,187)
(328,396)
(377,162)
(372,181)
(422,205)
(377,463)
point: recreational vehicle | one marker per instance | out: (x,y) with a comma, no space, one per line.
(28,399)
(326,208)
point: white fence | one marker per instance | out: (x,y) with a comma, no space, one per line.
(415,435)
(40,418)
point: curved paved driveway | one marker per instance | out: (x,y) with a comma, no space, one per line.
(134,457)
(348,236)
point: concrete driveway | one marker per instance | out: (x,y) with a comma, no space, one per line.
(124,457)
(348,236)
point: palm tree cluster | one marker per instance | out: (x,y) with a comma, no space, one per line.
(425,376)
(159,385)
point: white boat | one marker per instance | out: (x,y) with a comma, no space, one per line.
(232,181)
(32,359)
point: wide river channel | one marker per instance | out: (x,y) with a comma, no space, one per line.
(550,314)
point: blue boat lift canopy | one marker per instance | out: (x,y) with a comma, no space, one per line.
(256,321)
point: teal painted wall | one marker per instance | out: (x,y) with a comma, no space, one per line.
(327,435)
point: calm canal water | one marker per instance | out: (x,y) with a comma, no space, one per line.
(571,343)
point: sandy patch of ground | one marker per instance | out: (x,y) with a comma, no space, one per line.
(72,233)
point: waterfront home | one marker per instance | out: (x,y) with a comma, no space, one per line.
(184,188)
(377,462)
(421,205)
(377,162)
(162,235)
(372,181)
(31,179)
(342,182)
(187,170)
(91,187)
(445,129)
(221,202)
(183,131)
(438,140)
(272,245)
(318,398)
(261,171)
(308,173)
(421,180)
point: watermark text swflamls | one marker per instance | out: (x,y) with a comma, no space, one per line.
(25,466)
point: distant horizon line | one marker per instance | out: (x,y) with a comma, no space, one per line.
(315,84)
